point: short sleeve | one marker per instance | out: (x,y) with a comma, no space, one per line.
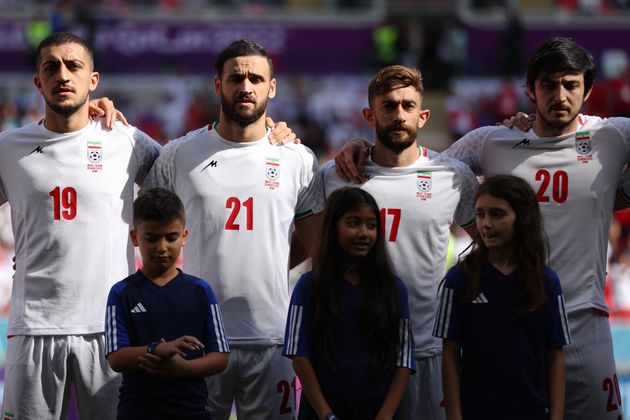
(468,184)
(406,357)
(297,334)
(217,340)
(116,329)
(559,334)
(447,322)
(147,151)
(469,149)
(311,195)
(162,172)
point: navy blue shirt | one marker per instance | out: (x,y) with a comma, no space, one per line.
(504,372)
(140,312)
(356,387)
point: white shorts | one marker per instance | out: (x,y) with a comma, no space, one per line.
(260,380)
(424,395)
(592,387)
(40,369)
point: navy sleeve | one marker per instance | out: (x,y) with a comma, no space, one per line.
(297,332)
(116,335)
(559,334)
(216,340)
(447,319)
(406,357)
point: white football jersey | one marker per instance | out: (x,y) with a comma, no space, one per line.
(241,200)
(418,204)
(71,200)
(575,177)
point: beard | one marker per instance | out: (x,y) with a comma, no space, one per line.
(242,118)
(556,124)
(392,141)
(66,110)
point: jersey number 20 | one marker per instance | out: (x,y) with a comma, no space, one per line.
(559,183)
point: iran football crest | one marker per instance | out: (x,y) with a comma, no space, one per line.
(583,146)
(272,172)
(94,156)
(94,151)
(424,183)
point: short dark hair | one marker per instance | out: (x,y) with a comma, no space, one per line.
(241,48)
(560,56)
(157,204)
(394,77)
(61,38)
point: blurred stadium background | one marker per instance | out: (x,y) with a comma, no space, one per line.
(156,62)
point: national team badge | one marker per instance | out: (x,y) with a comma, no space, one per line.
(8,416)
(272,172)
(94,155)
(94,151)
(583,146)
(424,184)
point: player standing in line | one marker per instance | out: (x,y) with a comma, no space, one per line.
(502,315)
(574,164)
(420,193)
(348,330)
(70,186)
(242,196)
(163,328)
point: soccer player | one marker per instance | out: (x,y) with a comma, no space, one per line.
(420,193)
(242,195)
(163,328)
(70,185)
(574,164)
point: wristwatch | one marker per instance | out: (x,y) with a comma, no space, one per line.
(331,416)
(151,347)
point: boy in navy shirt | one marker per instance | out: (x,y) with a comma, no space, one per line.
(163,327)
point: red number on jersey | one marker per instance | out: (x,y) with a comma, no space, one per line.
(395,213)
(612,386)
(284,388)
(235,204)
(64,203)
(559,181)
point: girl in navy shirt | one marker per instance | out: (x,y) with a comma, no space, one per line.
(348,328)
(502,315)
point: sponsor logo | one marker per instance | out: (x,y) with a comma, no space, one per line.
(272,172)
(38,149)
(481,298)
(524,142)
(212,164)
(138,309)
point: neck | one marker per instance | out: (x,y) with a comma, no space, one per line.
(542,129)
(60,124)
(501,259)
(160,278)
(351,273)
(385,157)
(232,131)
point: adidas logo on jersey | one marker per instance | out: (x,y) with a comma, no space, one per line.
(138,309)
(481,298)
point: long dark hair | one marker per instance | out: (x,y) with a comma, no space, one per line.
(380,311)
(530,243)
